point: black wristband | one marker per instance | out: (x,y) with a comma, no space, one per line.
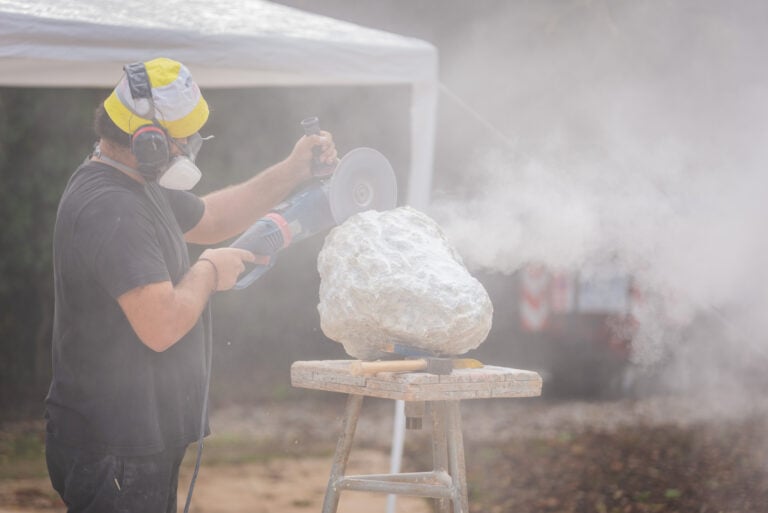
(215,272)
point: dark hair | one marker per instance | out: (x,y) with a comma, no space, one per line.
(105,128)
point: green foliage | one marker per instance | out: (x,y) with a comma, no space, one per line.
(44,133)
(21,450)
(672,493)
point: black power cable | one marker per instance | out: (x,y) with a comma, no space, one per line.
(204,415)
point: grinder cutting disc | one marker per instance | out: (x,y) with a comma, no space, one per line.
(363,180)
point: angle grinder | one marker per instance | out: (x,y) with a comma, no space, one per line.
(363,180)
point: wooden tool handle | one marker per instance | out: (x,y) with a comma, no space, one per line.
(360,368)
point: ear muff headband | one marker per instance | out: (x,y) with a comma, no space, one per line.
(140,86)
(149,143)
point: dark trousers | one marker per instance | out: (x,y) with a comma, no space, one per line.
(91,482)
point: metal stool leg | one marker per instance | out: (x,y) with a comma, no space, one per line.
(439,446)
(456,457)
(341,457)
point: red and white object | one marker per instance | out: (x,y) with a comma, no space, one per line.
(534,301)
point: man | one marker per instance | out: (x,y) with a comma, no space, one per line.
(129,352)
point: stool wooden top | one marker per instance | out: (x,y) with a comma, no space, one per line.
(486,382)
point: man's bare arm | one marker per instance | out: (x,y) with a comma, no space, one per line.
(230,211)
(162,314)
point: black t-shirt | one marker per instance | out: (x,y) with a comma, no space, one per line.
(109,391)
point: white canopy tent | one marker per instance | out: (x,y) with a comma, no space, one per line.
(238,43)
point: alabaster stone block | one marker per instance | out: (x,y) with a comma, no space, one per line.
(393,278)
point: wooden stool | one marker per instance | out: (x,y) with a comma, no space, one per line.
(441,395)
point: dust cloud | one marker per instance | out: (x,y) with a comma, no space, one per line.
(635,135)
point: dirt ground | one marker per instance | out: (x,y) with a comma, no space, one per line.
(659,454)
(287,485)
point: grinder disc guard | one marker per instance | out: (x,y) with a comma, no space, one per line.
(363,180)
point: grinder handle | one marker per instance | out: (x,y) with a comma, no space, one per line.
(311,126)
(360,368)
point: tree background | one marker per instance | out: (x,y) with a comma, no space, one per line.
(40,144)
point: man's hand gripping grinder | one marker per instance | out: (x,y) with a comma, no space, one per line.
(363,180)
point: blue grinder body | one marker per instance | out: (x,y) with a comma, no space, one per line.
(305,213)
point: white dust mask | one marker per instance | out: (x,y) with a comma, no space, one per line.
(181,175)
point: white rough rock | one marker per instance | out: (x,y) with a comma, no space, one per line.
(393,277)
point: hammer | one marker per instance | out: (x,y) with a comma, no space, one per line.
(432,365)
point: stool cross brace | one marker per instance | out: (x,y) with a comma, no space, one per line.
(446,482)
